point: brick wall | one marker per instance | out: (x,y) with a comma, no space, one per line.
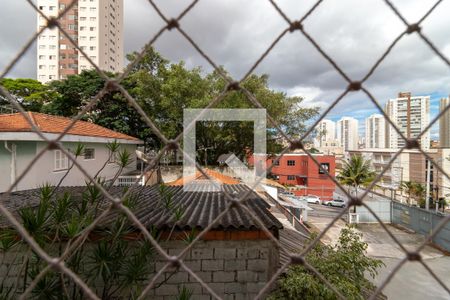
(234,269)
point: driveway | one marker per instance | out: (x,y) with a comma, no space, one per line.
(412,281)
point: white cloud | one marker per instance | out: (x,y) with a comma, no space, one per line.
(235,33)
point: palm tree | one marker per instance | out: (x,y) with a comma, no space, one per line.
(355,173)
(408,187)
(419,191)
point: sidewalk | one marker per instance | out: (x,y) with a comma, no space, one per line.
(380,244)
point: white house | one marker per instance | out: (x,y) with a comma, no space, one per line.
(19,145)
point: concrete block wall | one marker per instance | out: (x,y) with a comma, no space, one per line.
(233,269)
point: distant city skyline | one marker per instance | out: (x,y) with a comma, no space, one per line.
(420,117)
(361,115)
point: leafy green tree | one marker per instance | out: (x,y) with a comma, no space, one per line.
(344,265)
(30,93)
(73,93)
(355,173)
(164,90)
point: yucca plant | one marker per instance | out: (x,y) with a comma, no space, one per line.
(184,293)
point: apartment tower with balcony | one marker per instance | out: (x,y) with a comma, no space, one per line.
(326,133)
(444,124)
(97,27)
(375,131)
(347,133)
(411,114)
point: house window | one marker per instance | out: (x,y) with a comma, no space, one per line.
(89,153)
(291,162)
(291,177)
(61,160)
(276,162)
(324,166)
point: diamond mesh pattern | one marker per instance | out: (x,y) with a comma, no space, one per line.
(292,27)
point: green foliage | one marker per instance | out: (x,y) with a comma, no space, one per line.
(73,93)
(184,293)
(30,93)
(356,173)
(78,150)
(414,190)
(343,265)
(163,90)
(7,240)
(166,197)
(124,158)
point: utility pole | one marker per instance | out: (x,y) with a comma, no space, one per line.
(427,193)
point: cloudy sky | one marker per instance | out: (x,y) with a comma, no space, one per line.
(235,33)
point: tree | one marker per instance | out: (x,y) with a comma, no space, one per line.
(414,190)
(287,112)
(344,265)
(73,93)
(30,93)
(163,90)
(356,173)
(408,187)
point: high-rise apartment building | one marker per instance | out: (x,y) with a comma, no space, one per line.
(97,27)
(326,133)
(375,131)
(347,133)
(444,124)
(411,114)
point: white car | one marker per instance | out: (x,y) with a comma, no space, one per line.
(312,199)
(336,203)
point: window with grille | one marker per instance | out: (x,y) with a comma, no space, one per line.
(89,153)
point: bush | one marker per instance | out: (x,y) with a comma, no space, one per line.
(343,265)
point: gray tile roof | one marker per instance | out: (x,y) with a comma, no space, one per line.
(199,208)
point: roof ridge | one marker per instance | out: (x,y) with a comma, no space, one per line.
(29,121)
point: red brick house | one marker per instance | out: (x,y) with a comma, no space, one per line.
(302,175)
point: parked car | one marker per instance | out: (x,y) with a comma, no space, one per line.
(336,203)
(287,193)
(312,199)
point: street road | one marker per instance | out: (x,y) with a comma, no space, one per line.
(412,282)
(323,211)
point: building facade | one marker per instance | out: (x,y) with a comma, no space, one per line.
(303,176)
(326,134)
(410,165)
(444,124)
(411,114)
(347,133)
(375,132)
(97,27)
(20,145)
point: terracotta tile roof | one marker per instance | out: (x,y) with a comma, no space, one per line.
(56,124)
(217,176)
